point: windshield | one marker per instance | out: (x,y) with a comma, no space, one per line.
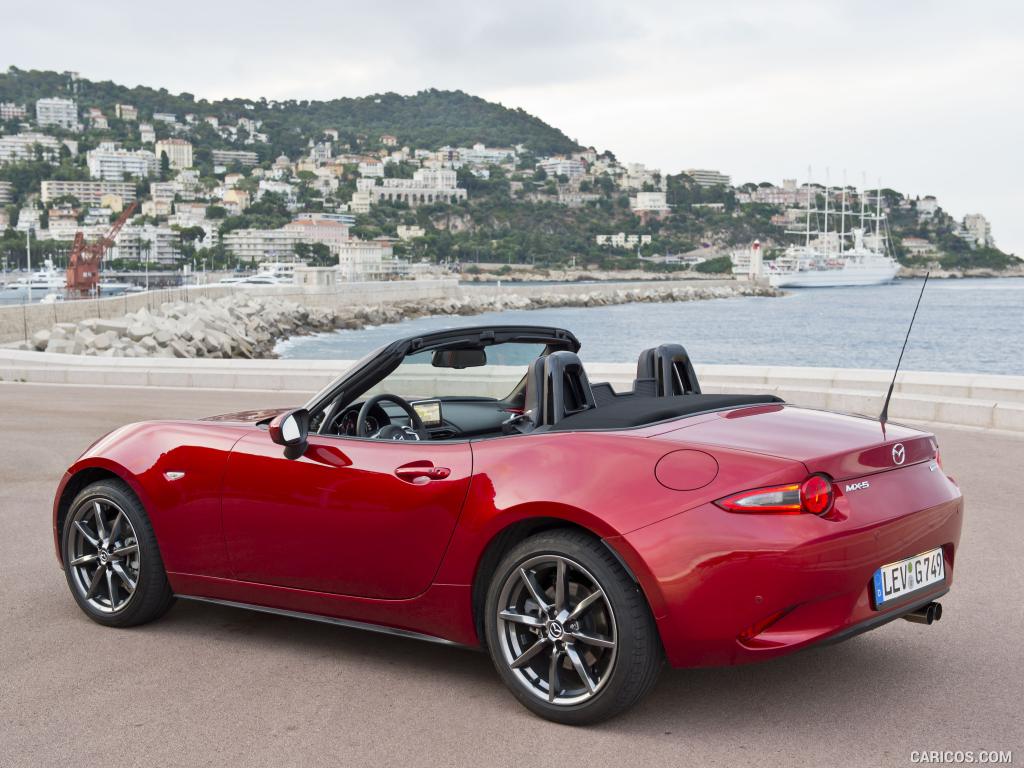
(503,368)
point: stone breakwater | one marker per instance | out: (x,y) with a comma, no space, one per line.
(250,325)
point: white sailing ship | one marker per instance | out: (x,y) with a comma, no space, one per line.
(829,261)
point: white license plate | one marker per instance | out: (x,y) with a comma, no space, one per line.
(897,579)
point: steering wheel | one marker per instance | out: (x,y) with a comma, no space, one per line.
(392,431)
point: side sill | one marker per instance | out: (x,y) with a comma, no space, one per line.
(379,628)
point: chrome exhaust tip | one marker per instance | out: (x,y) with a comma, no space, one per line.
(926,614)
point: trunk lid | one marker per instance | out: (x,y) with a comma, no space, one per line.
(840,445)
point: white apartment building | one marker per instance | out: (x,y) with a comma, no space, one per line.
(320,152)
(651,202)
(6,192)
(365,260)
(163,191)
(775,196)
(228,157)
(86,192)
(927,207)
(157,208)
(20,147)
(111,163)
(165,117)
(57,111)
(158,245)
(979,229)
(374,168)
(97,217)
(179,152)
(635,176)
(435,178)
(96,118)
(563,166)
(28,218)
(249,124)
(126,112)
(146,133)
(360,202)
(479,154)
(282,188)
(256,245)
(333,234)
(11,111)
(708,178)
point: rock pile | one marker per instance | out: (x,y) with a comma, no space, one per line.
(243,325)
(232,326)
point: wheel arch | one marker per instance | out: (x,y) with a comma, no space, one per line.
(82,476)
(519,530)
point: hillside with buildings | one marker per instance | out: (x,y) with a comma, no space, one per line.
(376,184)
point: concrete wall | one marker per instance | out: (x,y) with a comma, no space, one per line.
(19,321)
(975,400)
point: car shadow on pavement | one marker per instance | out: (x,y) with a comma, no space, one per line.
(845,680)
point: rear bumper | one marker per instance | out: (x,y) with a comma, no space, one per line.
(733,588)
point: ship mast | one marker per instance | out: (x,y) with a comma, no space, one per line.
(825,244)
(807,239)
(878,217)
(863,198)
(842,218)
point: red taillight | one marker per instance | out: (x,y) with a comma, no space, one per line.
(814,495)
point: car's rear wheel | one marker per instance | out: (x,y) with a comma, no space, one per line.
(569,631)
(111,558)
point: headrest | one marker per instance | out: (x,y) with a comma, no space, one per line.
(556,386)
(669,365)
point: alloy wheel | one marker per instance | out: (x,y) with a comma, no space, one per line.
(557,630)
(103,555)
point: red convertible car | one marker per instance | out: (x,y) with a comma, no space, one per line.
(581,535)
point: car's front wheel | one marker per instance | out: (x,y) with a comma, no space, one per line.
(111,559)
(569,631)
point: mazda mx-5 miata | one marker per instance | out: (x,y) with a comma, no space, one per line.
(472,486)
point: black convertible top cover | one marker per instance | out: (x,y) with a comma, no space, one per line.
(638,411)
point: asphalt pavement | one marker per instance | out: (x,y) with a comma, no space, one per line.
(209,685)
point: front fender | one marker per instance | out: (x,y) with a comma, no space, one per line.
(176,470)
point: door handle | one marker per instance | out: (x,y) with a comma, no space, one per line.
(420,472)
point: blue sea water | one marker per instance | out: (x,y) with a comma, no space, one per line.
(974,325)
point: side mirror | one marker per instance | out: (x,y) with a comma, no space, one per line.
(290,429)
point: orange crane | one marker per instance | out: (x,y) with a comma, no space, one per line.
(83,276)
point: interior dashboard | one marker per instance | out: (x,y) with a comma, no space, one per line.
(444,418)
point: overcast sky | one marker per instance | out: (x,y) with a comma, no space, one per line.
(925,95)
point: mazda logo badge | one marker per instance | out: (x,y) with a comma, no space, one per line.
(899,453)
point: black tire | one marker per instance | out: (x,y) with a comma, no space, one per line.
(638,656)
(152,596)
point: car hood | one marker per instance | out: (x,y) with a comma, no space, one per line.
(837,444)
(248,417)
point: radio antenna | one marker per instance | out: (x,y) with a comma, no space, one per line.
(885,407)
